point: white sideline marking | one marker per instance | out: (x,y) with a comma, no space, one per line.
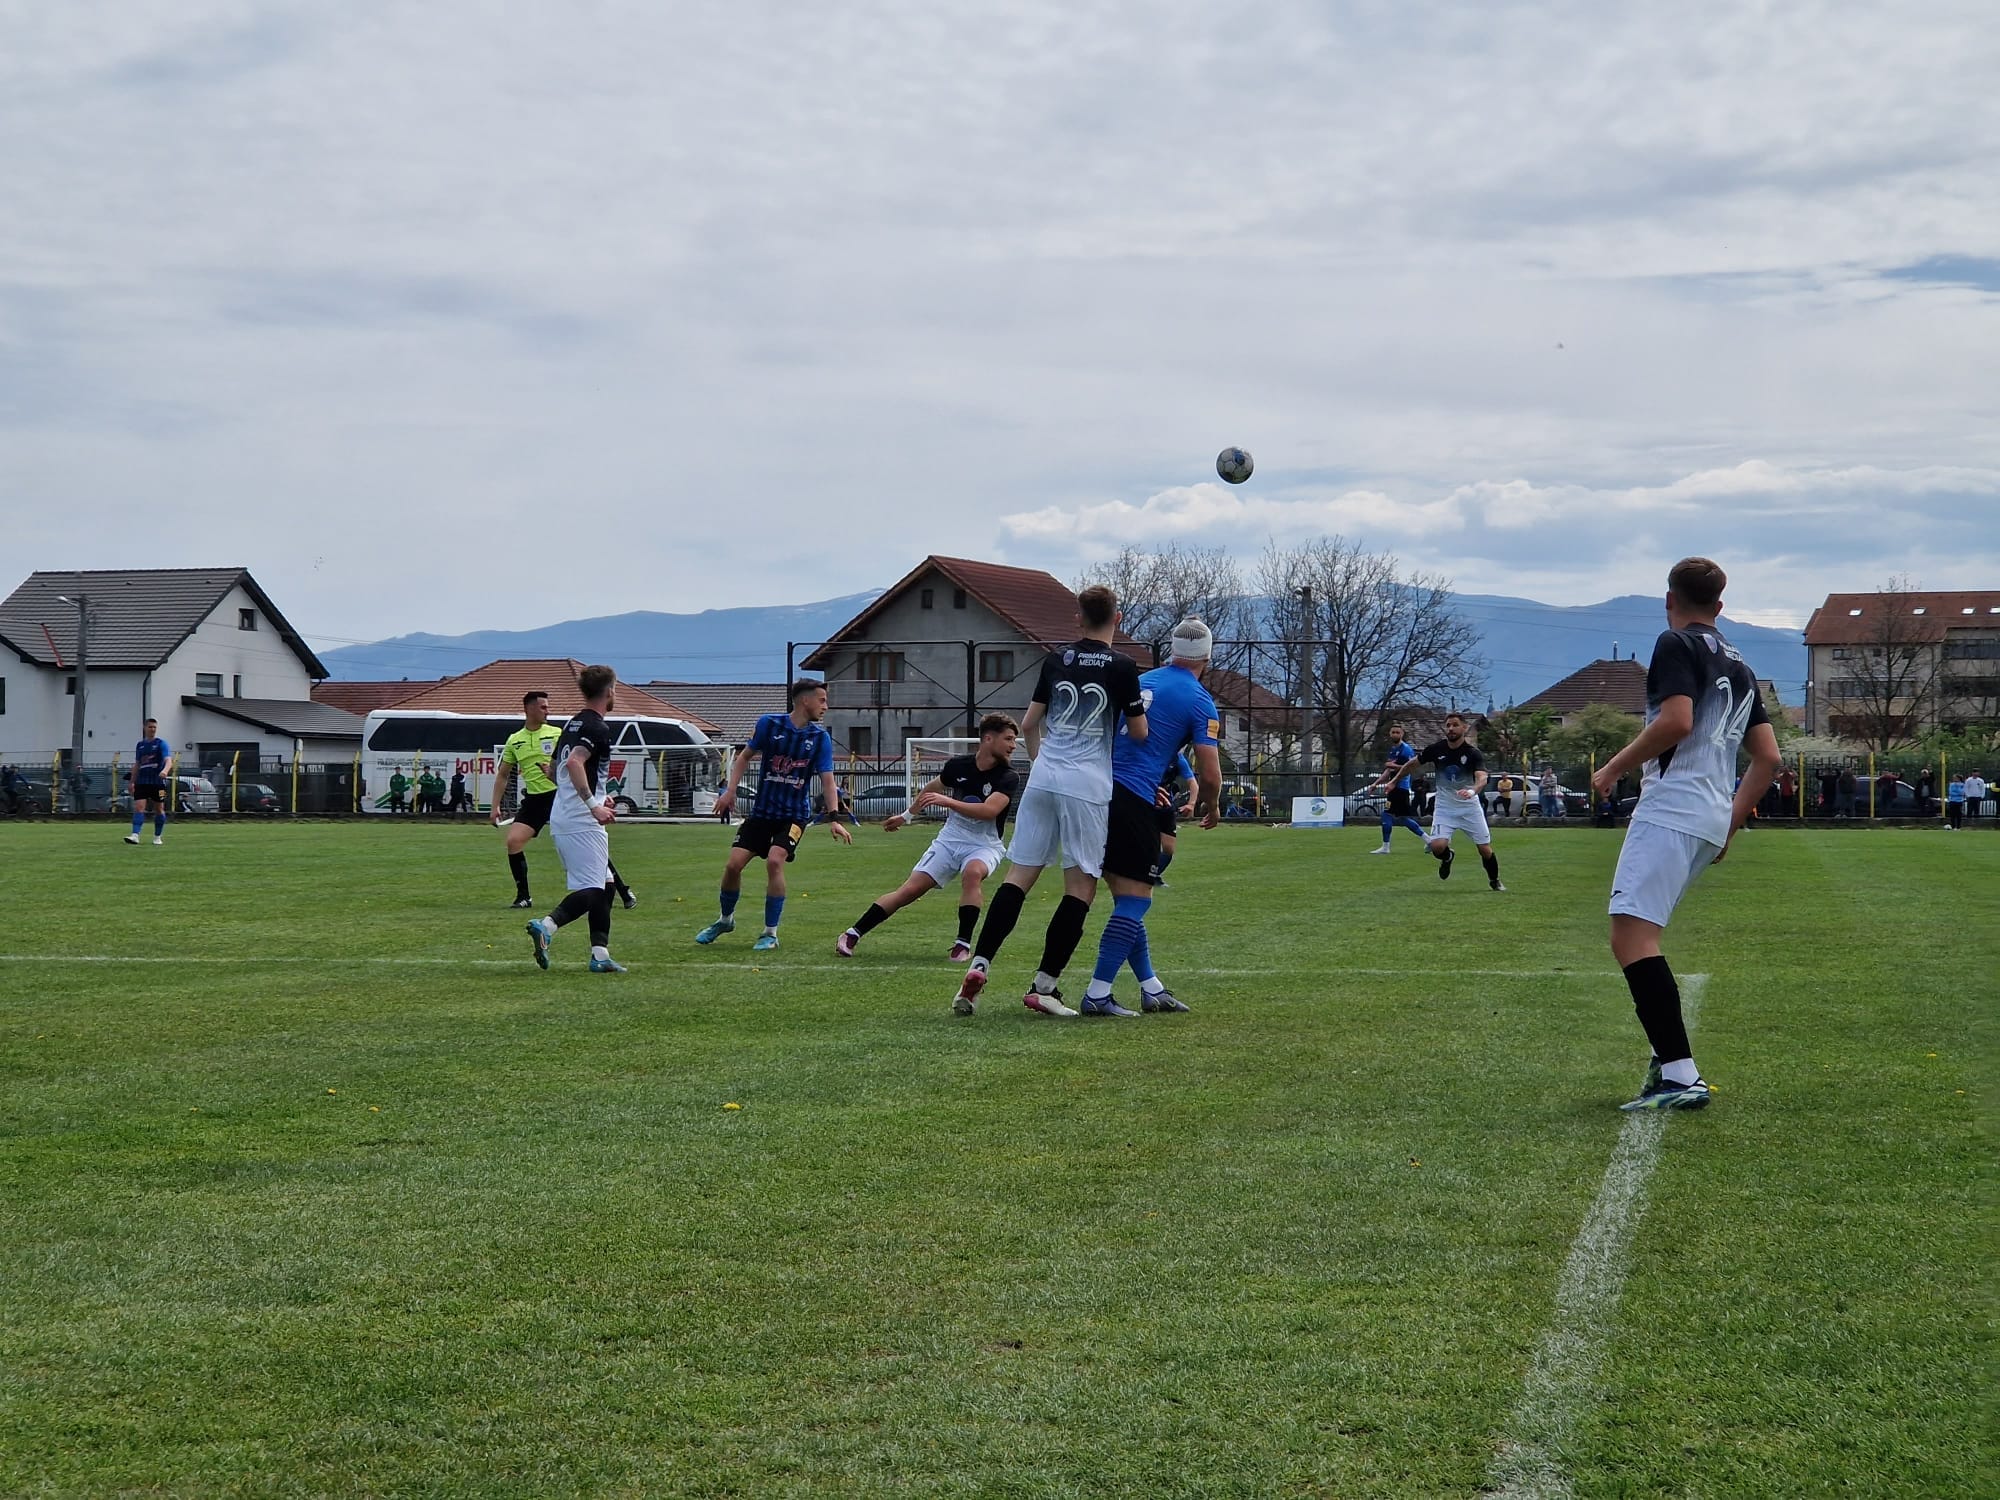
(846,966)
(1563,1376)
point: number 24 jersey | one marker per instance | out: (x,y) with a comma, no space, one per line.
(1084,690)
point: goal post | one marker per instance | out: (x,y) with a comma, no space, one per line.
(924,757)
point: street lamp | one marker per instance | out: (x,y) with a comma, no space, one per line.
(82,603)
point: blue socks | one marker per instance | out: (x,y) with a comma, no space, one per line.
(1410,823)
(138,822)
(729,899)
(774,908)
(1166,858)
(1388,825)
(159,825)
(1141,959)
(1125,931)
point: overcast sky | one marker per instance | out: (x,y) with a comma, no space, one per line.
(446,315)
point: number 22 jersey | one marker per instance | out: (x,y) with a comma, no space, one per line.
(1690,786)
(1084,690)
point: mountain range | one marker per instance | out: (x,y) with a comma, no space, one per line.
(1527,645)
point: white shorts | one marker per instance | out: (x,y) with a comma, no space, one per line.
(1449,815)
(585,848)
(1656,866)
(951,851)
(1054,829)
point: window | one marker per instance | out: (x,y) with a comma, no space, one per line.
(246,619)
(996,666)
(861,740)
(208,684)
(879,666)
(958,598)
(1840,653)
(927,598)
(236,685)
(69,687)
(3,695)
(911,732)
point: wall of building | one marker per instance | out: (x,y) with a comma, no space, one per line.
(930,698)
(39,713)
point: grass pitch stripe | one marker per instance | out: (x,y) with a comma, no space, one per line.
(1563,1377)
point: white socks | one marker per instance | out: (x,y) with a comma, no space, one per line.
(1045,984)
(1097,990)
(1682,1072)
(1153,986)
(599,951)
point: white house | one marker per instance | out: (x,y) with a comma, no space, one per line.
(203,650)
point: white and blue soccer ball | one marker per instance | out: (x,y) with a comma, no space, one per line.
(1234,465)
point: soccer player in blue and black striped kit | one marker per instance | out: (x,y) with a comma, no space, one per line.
(796,748)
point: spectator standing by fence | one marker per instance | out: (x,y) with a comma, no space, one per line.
(1954,801)
(1844,792)
(1926,791)
(1975,794)
(1885,793)
(1551,795)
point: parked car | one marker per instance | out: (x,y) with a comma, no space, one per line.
(885,799)
(195,794)
(253,797)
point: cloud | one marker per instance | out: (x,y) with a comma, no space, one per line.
(777,298)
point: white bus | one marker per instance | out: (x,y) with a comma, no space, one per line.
(658,766)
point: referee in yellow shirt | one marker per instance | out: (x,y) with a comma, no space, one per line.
(527,751)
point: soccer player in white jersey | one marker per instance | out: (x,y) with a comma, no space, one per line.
(975,790)
(1702,706)
(1084,690)
(1461,776)
(579,817)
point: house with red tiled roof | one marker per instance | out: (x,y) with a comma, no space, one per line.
(1917,659)
(1619,683)
(365,697)
(952,640)
(499,686)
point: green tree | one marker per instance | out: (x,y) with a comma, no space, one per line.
(1596,734)
(1513,736)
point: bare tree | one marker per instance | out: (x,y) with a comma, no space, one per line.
(1157,589)
(1365,637)
(1887,685)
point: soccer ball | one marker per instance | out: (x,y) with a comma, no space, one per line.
(1234,465)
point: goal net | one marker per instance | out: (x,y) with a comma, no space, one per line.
(923,758)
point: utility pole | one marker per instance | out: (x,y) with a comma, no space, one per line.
(1306,674)
(82,603)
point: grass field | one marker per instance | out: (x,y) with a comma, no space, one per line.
(330,1191)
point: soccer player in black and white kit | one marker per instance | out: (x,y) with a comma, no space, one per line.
(1702,705)
(579,820)
(1084,689)
(975,790)
(1461,775)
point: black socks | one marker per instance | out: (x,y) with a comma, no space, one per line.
(617,881)
(1065,932)
(1000,919)
(871,919)
(1657,999)
(1492,863)
(594,904)
(968,918)
(518,863)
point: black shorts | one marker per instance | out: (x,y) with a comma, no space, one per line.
(761,835)
(1168,818)
(1399,802)
(149,791)
(1132,837)
(534,809)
